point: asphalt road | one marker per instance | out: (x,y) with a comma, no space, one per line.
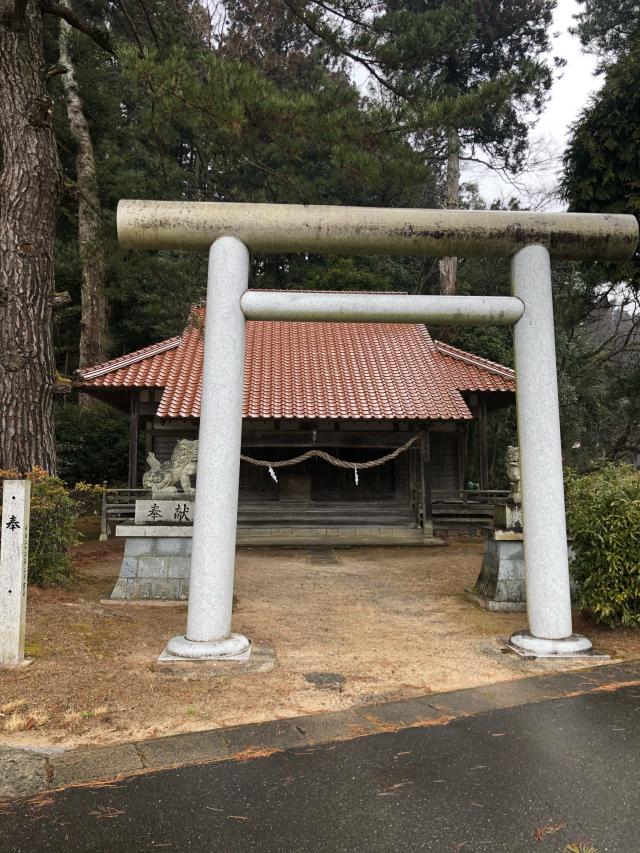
(537,777)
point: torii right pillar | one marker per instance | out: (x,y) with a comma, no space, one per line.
(545,534)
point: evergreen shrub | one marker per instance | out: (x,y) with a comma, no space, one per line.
(93,444)
(52,531)
(603,515)
(88,496)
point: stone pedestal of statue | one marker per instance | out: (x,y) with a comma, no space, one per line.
(501,582)
(157,552)
(501,585)
(156,564)
(508,516)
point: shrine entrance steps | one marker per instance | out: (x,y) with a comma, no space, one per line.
(298,537)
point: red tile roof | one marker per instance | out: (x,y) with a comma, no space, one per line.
(145,368)
(316,370)
(470,372)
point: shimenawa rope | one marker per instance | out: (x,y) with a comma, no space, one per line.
(332,460)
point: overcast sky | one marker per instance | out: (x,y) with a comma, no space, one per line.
(571,90)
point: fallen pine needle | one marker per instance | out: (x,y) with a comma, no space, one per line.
(541,831)
(392,788)
(106,812)
(41,800)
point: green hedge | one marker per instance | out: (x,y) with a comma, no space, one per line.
(603,516)
(52,530)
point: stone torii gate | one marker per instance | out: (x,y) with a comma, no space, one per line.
(229,231)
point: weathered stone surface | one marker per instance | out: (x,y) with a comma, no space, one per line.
(140,588)
(326,680)
(495,606)
(513,473)
(163,478)
(153,531)
(183,749)
(261,659)
(83,765)
(406,712)
(167,547)
(338,725)
(297,731)
(457,702)
(22,772)
(502,574)
(178,511)
(510,551)
(508,516)
(165,588)
(178,567)
(134,546)
(165,557)
(152,567)
(121,589)
(129,567)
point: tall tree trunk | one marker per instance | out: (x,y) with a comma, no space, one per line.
(30,187)
(93,320)
(449,266)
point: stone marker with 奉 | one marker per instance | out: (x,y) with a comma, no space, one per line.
(14,567)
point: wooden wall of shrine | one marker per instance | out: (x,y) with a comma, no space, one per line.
(315,493)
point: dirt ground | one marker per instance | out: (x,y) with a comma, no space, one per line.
(390,623)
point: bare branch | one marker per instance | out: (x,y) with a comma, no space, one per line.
(61,298)
(132,26)
(55,70)
(341,14)
(149,22)
(100,37)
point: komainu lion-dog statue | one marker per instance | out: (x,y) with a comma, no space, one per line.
(163,477)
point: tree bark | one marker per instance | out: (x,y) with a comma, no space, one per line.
(30,188)
(449,266)
(93,318)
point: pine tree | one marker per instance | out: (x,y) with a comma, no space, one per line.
(93,317)
(30,188)
(463,75)
(260,112)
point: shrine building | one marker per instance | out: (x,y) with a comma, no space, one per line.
(358,391)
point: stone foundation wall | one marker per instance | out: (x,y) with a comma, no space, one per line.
(154,567)
(501,582)
(502,574)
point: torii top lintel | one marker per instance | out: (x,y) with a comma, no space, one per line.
(327,229)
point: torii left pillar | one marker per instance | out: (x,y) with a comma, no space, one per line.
(208,635)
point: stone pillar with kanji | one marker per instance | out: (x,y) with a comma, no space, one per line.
(14,560)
